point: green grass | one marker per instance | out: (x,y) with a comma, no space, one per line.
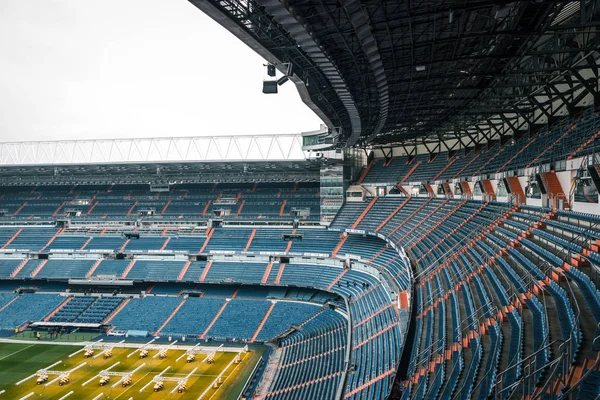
(18,361)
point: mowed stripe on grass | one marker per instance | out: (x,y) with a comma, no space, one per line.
(22,360)
(18,361)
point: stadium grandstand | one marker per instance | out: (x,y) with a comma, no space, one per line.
(437,238)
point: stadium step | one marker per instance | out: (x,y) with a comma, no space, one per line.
(279,273)
(584,145)
(214,187)
(116,311)
(89,211)
(55,213)
(467,165)
(262,323)
(294,187)
(436,225)
(135,203)
(523,148)
(547,149)
(365,211)
(184,270)
(239,210)
(410,171)
(13,237)
(488,188)
(216,317)
(267,272)
(83,246)
(19,268)
(491,155)
(553,186)
(392,214)
(401,188)
(124,245)
(57,309)
(290,243)
(339,246)
(380,252)
(282,207)
(93,269)
(365,385)
(365,171)
(337,279)
(38,269)
(170,317)
(19,209)
(466,189)
(410,216)
(219,197)
(238,196)
(9,303)
(515,188)
(206,269)
(164,245)
(164,209)
(448,190)
(206,208)
(250,240)
(129,267)
(52,238)
(429,189)
(448,165)
(209,233)
(375,335)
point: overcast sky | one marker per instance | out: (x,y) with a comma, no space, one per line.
(132,68)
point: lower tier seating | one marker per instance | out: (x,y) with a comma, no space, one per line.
(498,291)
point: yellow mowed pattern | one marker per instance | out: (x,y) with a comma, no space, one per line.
(202,378)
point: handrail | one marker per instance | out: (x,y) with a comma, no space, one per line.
(590,370)
(463,270)
(544,267)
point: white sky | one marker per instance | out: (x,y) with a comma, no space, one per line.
(89,69)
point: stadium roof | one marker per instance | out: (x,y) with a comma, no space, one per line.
(408,71)
(243,158)
(285,147)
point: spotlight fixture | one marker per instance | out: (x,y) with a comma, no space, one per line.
(270,69)
(282,80)
(420,68)
(270,86)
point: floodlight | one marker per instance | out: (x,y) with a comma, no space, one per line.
(270,87)
(282,80)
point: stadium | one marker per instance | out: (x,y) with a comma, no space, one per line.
(438,237)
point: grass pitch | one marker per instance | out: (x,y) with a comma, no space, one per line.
(17,361)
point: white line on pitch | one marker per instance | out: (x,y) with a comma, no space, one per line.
(67,395)
(18,351)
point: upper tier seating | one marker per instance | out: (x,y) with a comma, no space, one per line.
(262,201)
(567,138)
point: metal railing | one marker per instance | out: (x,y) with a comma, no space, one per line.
(559,366)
